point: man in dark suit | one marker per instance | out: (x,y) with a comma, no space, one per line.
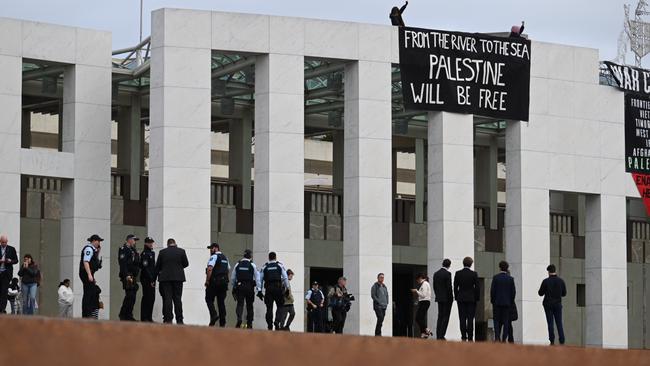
(8,257)
(171,275)
(444,297)
(502,297)
(467,293)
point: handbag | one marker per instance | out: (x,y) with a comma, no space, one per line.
(514,314)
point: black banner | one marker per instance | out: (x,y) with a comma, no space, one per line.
(465,73)
(637,134)
(630,79)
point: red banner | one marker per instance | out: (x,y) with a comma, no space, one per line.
(642,182)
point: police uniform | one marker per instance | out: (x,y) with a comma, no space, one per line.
(274,279)
(148,281)
(129,261)
(217,287)
(315,315)
(90,299)
(245,280)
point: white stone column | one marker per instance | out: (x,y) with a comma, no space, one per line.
(179,162)
(527,244)
(86,199)
(278,223)
(240,156)
(606,272)
(367,199)
(10,140)
(450,221)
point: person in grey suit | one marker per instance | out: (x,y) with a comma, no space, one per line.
(170,267)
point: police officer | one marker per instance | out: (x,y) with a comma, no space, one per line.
(129,261)
(274,280)
(216,284)
(148,280)
(315,308)
(88,265)
(245,280)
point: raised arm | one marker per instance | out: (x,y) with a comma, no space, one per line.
(401,10)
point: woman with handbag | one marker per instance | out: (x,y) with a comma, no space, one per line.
(423,293)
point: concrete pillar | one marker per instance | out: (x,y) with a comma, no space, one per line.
(26,126)
(527,244)
(240,156)
(338,157)
(606,272)
(10,135)
(278,223)
(450,222)
(130,150)
(180,144)
(420,180)
(367,201)
(86,199)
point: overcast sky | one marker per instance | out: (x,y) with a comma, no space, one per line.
(590,23)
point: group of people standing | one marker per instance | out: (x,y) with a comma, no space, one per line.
(21,292)
(272,285)
(466,290)
(335,301)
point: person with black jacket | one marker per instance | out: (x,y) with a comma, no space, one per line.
(517,30)
(216,284)
(315,308)
(170,267)
(8,257)
(553,289)
(444,297)
(396,15)
(129,261)
(245,280)
(89,263)
(502,297)
(467,292)
(30,277)
(273,278)
(148,280)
